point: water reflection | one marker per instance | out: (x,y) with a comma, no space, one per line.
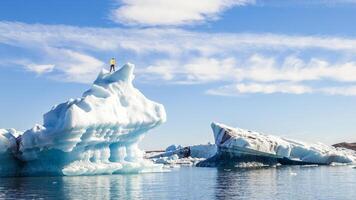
(192,183)
(85,187)
(103,187)
(180,184)
(245,183)
(286,183)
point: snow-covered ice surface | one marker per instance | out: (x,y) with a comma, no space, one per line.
(188,156)
(203,150)
(95,134)
(242,145)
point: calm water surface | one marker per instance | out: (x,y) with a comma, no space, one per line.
(192,183)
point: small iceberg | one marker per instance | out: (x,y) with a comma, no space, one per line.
(187,156)
(237,146)
(95,134)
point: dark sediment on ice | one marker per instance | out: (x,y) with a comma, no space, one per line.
(346,145)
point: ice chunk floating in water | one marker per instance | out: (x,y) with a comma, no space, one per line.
(95,134)
(237,145)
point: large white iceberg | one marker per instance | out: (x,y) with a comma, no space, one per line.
(241,145)
(95,134)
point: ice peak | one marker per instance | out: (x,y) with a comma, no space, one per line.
(125,73)
(214,124)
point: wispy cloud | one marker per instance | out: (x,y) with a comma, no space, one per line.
(343,90)
(40,69)
(269,88)
(177,12)
(284,88)
(264,63)
(172,12)
(257,68)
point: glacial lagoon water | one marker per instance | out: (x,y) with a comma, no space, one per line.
(294,182)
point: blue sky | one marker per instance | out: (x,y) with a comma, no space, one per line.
(282,67)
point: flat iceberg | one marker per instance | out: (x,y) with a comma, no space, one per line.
(237,146)
(95,134)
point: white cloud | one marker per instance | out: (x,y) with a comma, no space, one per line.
(292,68)
(40,69)
(171,12)
(284,87)
(281,87)
(341,90)
(209,69)
(242,88)
(255,68)
(163,68)
(178,12)
(162,40)
(185,57)
(74,66)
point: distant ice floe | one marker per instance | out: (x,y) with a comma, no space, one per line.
(236,146)
(95,134)
(177,155)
